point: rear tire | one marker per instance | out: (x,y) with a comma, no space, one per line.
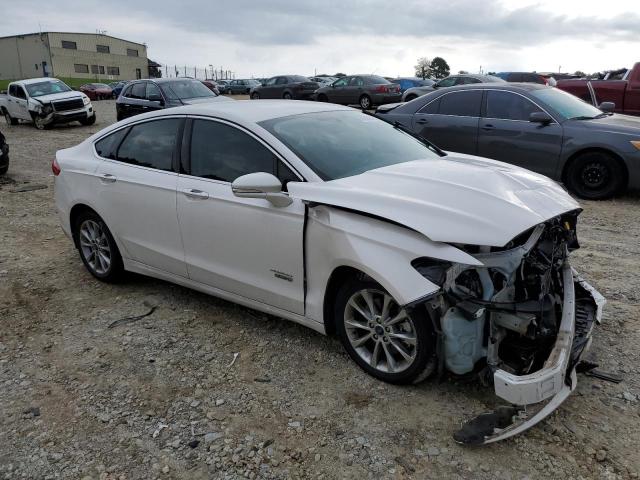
(365,102)
(9,119)
(595,176)
(97,247)
(323,98)
(255,96)
(287,96)
(387,343)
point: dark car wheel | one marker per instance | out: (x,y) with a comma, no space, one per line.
(323,98)
(98,249)
(287,96)
(89,120)
(595,176)
(4,169)
(9,119)
(380,335)
(40,124)
(365,102)
(255,96)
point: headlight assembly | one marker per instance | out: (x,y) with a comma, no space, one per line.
(636,143)
(432,269)
(86,100)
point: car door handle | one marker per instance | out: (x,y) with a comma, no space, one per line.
(195,194)
(488,127)
(107,178)
(422,121)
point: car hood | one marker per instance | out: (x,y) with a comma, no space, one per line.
(616,123)
(455,199)
(58,96)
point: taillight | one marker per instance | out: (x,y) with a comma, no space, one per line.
(381,89)
(55,168)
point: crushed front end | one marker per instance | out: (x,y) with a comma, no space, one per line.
(521,321)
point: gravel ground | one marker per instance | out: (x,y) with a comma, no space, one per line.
(161,397)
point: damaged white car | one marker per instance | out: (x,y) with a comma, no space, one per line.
(421,262)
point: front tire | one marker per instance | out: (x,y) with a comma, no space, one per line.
(39,123)
(255,96)
(287,96)
(97,247)
(595,176)
(382,337)
(89,120)
(365,102)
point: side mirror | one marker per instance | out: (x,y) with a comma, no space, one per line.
(540,117)
(607,107)
(261,185)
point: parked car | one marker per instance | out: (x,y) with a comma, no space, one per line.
(288,87)
(410,82)
(222,85)
(116,88)
(241,86)
(45,102)
(526,77)
(596,154)
(211,85)
(450,81)
(4,155)
(142,96)
(364,90)
(419,261)
(624,92)
(97,91)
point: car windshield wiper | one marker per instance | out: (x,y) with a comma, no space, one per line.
(586,117)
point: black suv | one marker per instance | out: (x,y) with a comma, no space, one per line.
(289,87)
(4,155)
(142,96)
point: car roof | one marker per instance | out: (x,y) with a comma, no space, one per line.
(515,87)
(247,112)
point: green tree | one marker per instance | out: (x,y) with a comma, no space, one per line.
(423,68)
(440,67)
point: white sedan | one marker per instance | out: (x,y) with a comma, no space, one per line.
(421,262)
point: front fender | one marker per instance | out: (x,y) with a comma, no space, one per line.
(378,248)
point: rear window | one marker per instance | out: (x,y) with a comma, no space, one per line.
(107,146)
(298,78)
(375,79)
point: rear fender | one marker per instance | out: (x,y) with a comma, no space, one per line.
(380,249)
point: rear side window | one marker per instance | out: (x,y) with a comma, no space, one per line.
(108,146)
(509,106)
(461,104)
(150,144)
(222,152)
(431,108)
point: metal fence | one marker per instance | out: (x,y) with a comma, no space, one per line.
(201,73)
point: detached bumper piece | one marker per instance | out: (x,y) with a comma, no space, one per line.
(535,396)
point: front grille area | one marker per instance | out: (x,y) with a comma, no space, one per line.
(64,105)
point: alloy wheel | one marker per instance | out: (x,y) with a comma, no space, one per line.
(95,247)
(380,331)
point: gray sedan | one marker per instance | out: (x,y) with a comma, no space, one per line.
(364,90)
(595,153)
(450,81)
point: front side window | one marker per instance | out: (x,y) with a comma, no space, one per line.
(343,82)
(150,144)
(272,81)
(20,92)
(447,82)
(153,92)
(340,144)
(139,90)
(509,106)
(356,82)
(222,152)
(461,104)
(282,81)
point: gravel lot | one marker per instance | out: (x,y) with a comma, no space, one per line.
(161,397)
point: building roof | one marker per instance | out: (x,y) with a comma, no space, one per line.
(73,33)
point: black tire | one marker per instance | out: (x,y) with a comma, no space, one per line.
(323,98)
(115,270)
(287,96)
(4,169)
(410,97)
(422,365)
(255,96)
(9,119)
(89,120)
(39,125)
(595,176)
(365,102)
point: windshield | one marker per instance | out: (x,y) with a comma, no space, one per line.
(46,88)
(343,143)
(567,105)
(184,89)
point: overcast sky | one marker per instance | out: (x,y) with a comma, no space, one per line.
(264,38)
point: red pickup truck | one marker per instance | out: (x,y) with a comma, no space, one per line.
(624,93)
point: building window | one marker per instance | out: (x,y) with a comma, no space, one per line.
(131,52)
(81,68)
(97,69)
(113,70)
(103,48)
(69,45)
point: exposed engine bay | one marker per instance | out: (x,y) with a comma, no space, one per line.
(520,321)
